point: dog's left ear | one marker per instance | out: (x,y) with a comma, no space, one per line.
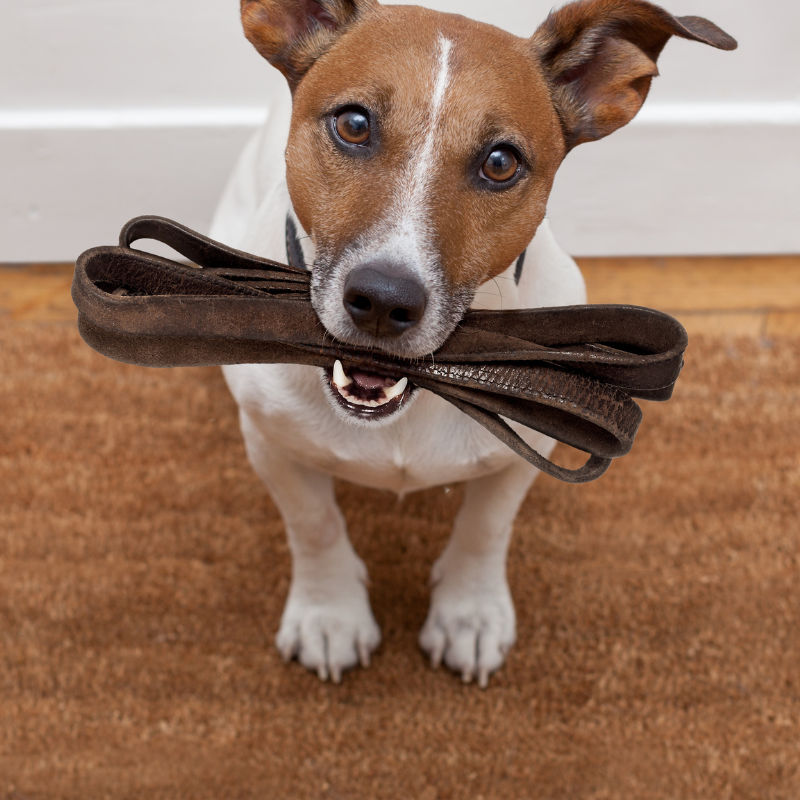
(293,34)
(599,57)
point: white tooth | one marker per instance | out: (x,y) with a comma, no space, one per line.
(339,378)
(357,401)
(390,392)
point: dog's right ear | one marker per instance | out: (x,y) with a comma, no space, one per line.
(293,34)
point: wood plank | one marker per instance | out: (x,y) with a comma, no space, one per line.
(37,292)
(727,323)
(696,284)
(783,323)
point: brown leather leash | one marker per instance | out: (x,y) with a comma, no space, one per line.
(570,372)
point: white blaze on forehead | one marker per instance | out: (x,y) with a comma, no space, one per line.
(405,235)
(409,230)
(421,165)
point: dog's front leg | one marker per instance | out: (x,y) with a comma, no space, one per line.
(327,622)
(471,623)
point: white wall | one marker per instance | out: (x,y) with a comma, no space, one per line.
(112,108)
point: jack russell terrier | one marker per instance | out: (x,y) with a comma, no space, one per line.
(422,147)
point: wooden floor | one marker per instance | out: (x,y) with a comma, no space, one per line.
(749,296)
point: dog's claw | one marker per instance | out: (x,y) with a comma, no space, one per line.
(288,651)
(434,642)
(363,653)
(483,677)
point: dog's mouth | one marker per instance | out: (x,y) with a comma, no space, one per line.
(367,395)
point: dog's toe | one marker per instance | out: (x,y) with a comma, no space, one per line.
(433,640)
(328,638)
(470,630)
(472,647)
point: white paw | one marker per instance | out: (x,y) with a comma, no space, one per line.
(471,623)
(327,622)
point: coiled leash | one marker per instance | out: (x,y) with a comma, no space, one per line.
(570,372)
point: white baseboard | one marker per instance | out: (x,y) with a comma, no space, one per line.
(680,188)
(682,179)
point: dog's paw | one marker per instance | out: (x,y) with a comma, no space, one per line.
(471,623)
(327,622)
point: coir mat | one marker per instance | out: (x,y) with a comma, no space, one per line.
(143,570)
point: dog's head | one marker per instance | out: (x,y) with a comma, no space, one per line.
(423,145)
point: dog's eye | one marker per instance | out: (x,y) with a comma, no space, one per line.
(352,126)
(501,165)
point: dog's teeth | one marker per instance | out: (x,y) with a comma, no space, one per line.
(342,382)
(339,378)
(357,401)
(390,392)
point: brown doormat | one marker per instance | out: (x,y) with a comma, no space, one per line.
(143,570)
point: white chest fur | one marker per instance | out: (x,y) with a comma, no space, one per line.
(431,444)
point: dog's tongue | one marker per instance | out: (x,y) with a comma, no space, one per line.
(367,380)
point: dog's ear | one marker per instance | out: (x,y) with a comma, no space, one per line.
(599,57)
(292,34)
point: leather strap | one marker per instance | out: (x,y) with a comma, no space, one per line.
(569,372)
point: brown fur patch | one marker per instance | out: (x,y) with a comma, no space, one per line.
(293,34)
(386,63)
(600,57)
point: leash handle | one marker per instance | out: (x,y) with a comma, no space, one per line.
(203,251)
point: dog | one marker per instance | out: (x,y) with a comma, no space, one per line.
(420,149)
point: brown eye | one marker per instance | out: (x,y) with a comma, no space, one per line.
(500,165)
(353,126)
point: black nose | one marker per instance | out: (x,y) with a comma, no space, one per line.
(383,300)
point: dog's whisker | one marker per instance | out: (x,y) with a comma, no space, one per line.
(500,292)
